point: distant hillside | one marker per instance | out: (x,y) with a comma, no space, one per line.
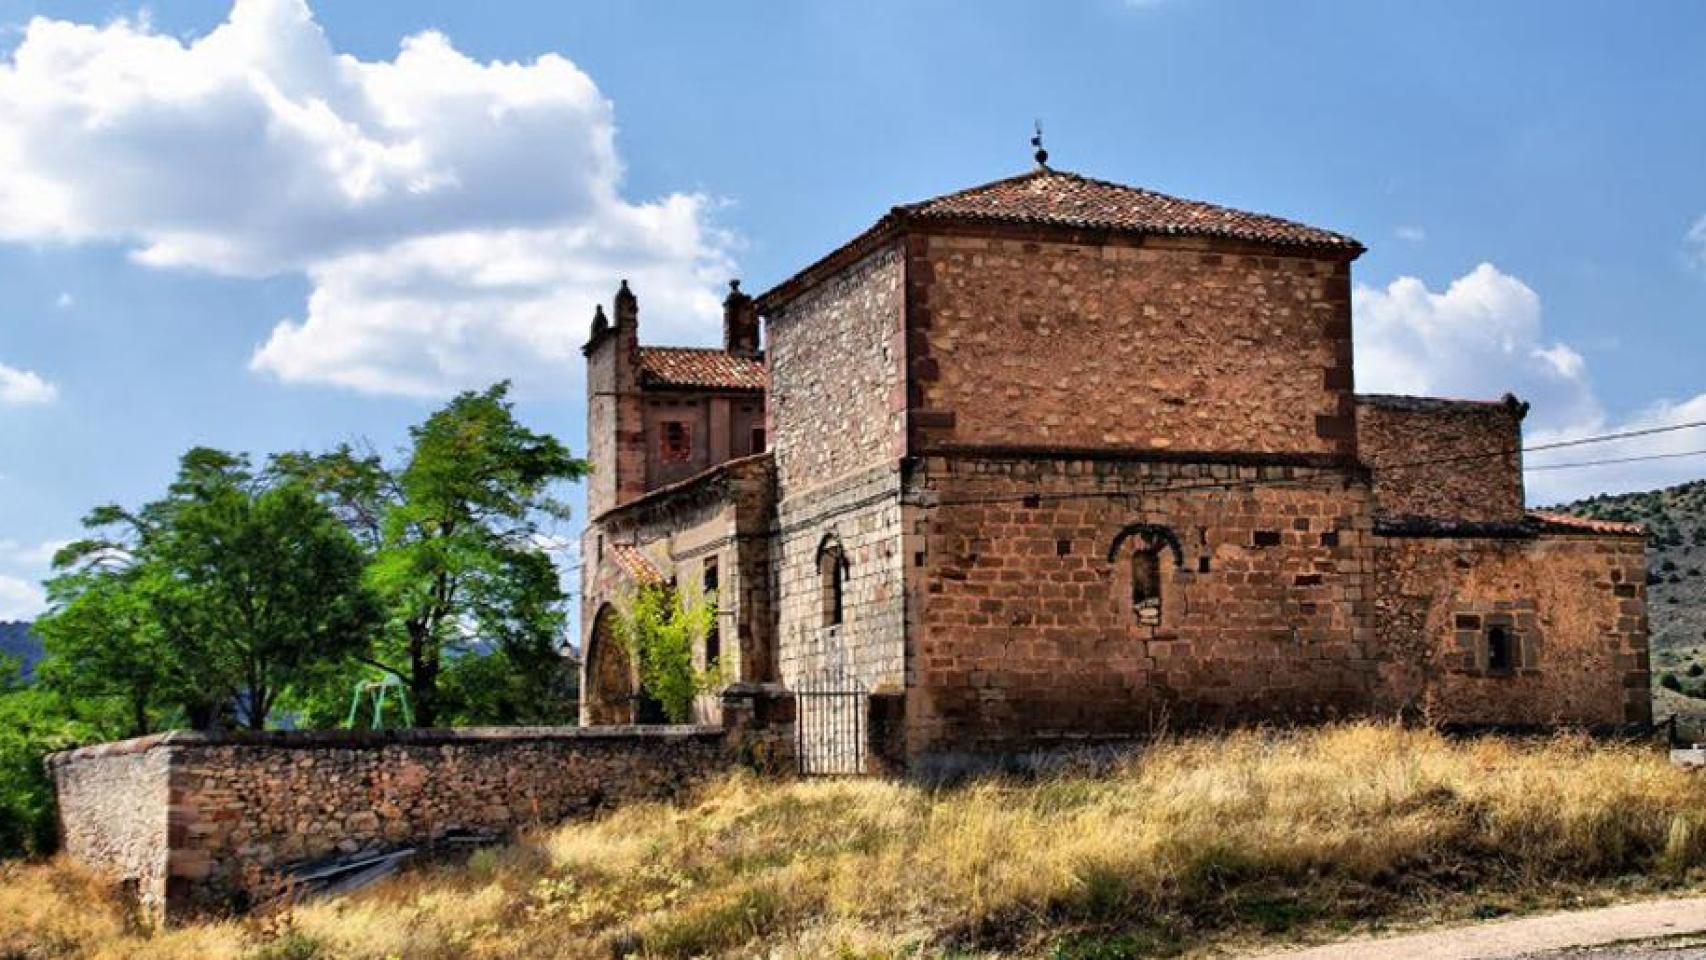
(1676,577)
(17,641)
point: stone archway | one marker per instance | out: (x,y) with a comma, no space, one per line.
(609,674)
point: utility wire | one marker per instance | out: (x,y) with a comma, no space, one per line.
(1616,436)
(1250,482)
(1556,445)
(1601,463)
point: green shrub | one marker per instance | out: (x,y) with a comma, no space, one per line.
(660,627)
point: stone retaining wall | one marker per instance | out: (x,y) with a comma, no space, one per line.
(196,822)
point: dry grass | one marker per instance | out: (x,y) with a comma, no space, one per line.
(1201,842)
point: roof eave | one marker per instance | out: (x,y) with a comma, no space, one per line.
(885,229)
(904,218)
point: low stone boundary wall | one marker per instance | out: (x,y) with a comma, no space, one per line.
(195,822)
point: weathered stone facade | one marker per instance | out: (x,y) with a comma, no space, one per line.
(196,822)
(1026,631)
(836,390)
(1023,340)
(718,521)
(860,515)
(1573,610)
(1446,459)
(113,802)
(1058,459)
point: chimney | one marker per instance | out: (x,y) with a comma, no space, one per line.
(740,322)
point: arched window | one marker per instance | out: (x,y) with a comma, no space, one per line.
(832,579)
(1145,546)
(1499,653)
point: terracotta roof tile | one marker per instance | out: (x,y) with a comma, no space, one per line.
(639,568)
(700,367)
(1058,198)
(1570,522)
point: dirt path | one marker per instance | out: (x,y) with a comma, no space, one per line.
(1624,926)
(1685,948)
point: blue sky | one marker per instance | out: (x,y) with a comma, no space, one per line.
(288,233)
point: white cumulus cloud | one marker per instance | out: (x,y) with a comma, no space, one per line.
(457,219)
(32,556)
(24,386)
(1483,336)
(23,567)
(20,599)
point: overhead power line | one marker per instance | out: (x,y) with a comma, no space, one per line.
(1606,437)
(1601,463)
(1537,448)
(1248,482)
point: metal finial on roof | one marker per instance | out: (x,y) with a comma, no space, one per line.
(1037,141)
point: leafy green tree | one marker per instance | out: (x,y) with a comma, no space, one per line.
(659,628)
(103,643)
(493,690)
(454,534)
(216,597)
(268,582)
(35,721)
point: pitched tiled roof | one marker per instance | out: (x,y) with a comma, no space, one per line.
(639,568)
(1567,523)
(700,367)
(1057,198)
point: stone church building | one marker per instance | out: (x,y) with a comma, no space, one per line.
(1051,460)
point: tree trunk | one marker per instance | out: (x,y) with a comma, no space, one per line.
(139,715)
(258,709)
(423,675)
(203,716)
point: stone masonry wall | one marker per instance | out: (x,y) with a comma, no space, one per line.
(112,811)
(1574,608)
(1020,596)
(723,516)
(1448,460)
(836,396)
(863,514)
(244,807)
(1168,343)
(719,429)
(615,429)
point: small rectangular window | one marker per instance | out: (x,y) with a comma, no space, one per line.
(1500,657)
(713,637)
(758,439)
(676,443)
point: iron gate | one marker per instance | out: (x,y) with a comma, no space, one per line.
(830,725)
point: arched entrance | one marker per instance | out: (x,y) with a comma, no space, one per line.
(609,673)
